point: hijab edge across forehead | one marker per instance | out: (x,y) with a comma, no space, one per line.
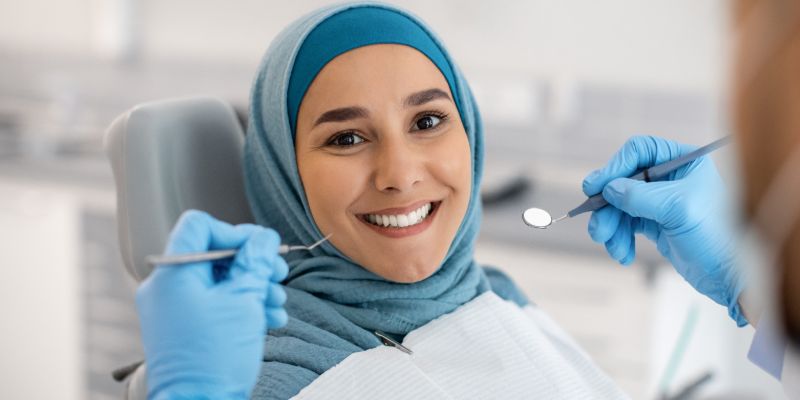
(322,45)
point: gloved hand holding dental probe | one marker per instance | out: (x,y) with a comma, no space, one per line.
(203,324)
(685,216)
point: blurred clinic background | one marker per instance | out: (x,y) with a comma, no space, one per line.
(561,85)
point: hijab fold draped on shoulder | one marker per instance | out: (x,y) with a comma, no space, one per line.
(334,305)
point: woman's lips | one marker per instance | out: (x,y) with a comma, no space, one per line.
(401,210)
(393,232)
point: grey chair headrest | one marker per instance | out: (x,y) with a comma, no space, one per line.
(169,156)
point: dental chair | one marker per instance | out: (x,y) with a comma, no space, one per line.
(169,156)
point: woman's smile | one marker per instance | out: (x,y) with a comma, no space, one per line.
(401,222)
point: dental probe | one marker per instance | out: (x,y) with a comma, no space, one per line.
(541,219)
(175,259)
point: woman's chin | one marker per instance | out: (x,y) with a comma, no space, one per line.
(409,274)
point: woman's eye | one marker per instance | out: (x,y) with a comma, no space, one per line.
(427,122)
(346,139)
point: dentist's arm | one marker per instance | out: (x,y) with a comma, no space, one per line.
(684,215)
(203,324)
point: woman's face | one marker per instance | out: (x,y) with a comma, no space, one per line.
(384,160)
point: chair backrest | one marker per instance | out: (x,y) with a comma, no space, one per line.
(169,156)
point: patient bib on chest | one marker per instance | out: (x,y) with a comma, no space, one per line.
(486,349)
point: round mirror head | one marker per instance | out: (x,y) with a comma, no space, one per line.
(537,218)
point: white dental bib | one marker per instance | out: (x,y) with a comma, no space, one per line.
(488,348)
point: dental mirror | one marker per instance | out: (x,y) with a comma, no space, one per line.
(538,218)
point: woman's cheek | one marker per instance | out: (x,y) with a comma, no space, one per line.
(327,183)
(451,160)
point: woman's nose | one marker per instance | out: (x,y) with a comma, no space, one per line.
(398,166)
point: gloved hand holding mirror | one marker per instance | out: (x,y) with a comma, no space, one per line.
(681,208)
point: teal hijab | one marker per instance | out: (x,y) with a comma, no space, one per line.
(334,304)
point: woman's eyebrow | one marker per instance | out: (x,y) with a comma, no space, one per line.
(420,98)
(342,114)
(348,113)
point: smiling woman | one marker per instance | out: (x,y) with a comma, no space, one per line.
(360,124)
(371,122)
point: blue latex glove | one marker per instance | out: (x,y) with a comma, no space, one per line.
(203,324)
(685,215)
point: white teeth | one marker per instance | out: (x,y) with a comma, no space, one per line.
(401,221)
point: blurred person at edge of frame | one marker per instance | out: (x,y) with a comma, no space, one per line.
(767,123)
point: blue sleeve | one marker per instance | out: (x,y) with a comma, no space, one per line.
(768,348)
